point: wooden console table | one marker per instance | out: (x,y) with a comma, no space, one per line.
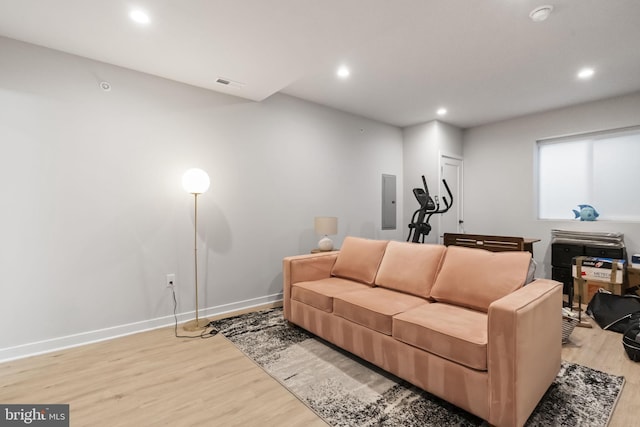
(490,243)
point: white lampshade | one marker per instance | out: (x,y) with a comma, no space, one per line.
(325,225)
(195,181)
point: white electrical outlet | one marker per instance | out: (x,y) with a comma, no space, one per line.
(171,280)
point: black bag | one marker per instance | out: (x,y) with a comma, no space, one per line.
(612,312)
(631,338)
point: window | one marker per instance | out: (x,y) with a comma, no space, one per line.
(598,169)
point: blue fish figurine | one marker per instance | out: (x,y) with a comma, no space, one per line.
(587,213)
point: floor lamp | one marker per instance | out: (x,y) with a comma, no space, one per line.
(196,182)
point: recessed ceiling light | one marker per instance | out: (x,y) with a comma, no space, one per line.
(139,16)
(541,13)
(585,73)
(441,111)
(343,72)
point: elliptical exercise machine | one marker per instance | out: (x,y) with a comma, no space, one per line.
(420,227)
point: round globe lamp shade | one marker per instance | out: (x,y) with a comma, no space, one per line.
(195,181)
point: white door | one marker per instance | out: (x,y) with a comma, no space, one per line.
(451,171)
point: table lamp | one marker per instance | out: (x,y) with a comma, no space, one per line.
(325,226)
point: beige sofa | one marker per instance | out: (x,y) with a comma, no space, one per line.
(454,321)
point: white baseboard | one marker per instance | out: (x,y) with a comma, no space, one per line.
(75,340)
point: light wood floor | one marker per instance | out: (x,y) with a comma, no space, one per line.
(153,378)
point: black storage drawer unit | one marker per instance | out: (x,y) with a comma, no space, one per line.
(570,244)
(562,254)
(616,253)
(563,274)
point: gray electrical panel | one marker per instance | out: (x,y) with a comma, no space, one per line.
(388,202)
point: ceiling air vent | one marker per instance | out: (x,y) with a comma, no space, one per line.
(228,82)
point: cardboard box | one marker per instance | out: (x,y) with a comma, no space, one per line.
(635,260)
(599,269)
(589,287)
(633,280)
(633,276)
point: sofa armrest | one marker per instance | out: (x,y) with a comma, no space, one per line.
(302,268)
(524,350)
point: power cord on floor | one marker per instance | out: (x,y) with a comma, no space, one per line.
(203,335)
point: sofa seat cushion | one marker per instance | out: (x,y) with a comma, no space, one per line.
(455,333)
(374,308)
(475,278)
(320,293)
(359,259)
(410,267)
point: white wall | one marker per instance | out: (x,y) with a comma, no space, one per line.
(93,214)
(500,173)
(423,145)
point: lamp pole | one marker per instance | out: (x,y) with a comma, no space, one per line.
(195,249)
(196,182)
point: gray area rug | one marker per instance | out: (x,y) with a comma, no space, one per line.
(347,391)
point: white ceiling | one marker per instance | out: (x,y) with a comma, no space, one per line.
(484,60)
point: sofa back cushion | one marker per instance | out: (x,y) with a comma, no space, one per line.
(475,278)
(359,259)
(410,267)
